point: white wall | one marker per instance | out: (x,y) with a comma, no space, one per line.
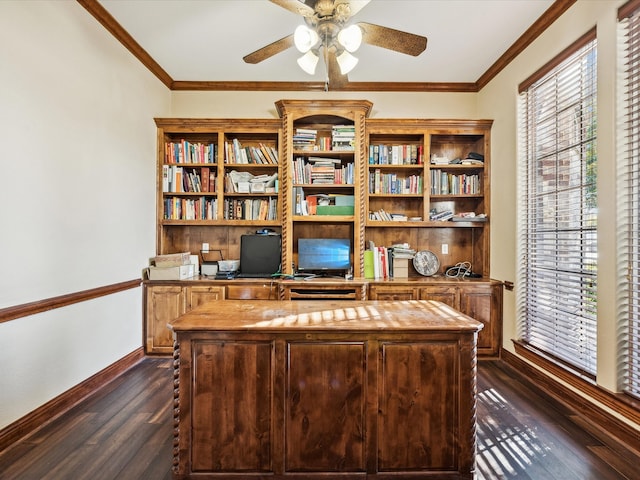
(77,198)
(385,104)
(498,100)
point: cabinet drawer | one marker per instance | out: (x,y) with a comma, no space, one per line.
(265,291)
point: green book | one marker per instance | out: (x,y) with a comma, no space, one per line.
(368,264)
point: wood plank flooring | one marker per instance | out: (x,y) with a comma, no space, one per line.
(124,432)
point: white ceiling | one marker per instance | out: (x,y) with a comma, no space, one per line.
(205,40)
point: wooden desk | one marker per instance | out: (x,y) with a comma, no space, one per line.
(313,389)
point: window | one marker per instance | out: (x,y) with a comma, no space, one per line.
(558,209)
(629,188)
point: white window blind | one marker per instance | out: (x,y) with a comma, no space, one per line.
(629,191)
(557,240)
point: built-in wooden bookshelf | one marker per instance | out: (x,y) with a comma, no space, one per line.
(450,218)
(414,171)
(339,127)
(209,183)
(421,182)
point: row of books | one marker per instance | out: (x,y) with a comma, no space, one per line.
(261,154)
(187,152)
(445,183)
(250,209)
(405,154)
(318,170)
(383,216)
(177,179)
(203,208)
(387,262)
(342,139)
(392,183)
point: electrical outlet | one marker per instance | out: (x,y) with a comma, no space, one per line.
(205,247)
(445,248)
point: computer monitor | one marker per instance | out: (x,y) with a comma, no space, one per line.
(324,255)
(260,255)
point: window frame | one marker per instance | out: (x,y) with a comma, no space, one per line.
(538,345)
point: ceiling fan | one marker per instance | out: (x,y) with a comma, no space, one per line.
(326,33)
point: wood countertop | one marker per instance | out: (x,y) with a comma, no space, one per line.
(323,315)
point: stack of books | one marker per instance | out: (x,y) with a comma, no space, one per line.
(343,137)
(441,216)
(323,169)
(305,139)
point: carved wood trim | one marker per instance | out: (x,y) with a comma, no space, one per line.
(362,212)
(65,401)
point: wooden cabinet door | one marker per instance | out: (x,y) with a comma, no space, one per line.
(444,294)
(232,407)
(199,294)
(418,410)
(163,303)
(391,292)
(325,405)
(482,302)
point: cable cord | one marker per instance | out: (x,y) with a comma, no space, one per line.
(459,270)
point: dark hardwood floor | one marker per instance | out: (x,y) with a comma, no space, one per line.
(124,431)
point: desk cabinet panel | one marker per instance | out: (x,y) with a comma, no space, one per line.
(418,396)
(325,407)
(232,407)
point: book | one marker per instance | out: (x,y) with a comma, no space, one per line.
(368,264)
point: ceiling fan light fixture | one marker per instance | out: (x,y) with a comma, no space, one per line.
(350,38)
(305,38)
(347,62)
(308,62)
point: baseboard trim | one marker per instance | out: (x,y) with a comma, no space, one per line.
(63,402)
(604,423)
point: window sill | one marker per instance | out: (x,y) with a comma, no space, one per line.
(621,403)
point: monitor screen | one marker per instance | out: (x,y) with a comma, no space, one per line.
(260,254)
(324,254)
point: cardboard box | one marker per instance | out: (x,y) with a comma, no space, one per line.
(171,260)
(400,267)
(172,273)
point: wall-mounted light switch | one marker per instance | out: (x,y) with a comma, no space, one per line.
(445,249)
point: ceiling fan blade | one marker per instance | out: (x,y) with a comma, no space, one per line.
(392,39)
(336,79)
(270,50)
(295,6)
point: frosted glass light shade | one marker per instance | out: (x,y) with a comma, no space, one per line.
(308,62)
(347,62)
(350,38)
(304,38)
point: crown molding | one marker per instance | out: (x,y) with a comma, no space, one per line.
(538,27)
